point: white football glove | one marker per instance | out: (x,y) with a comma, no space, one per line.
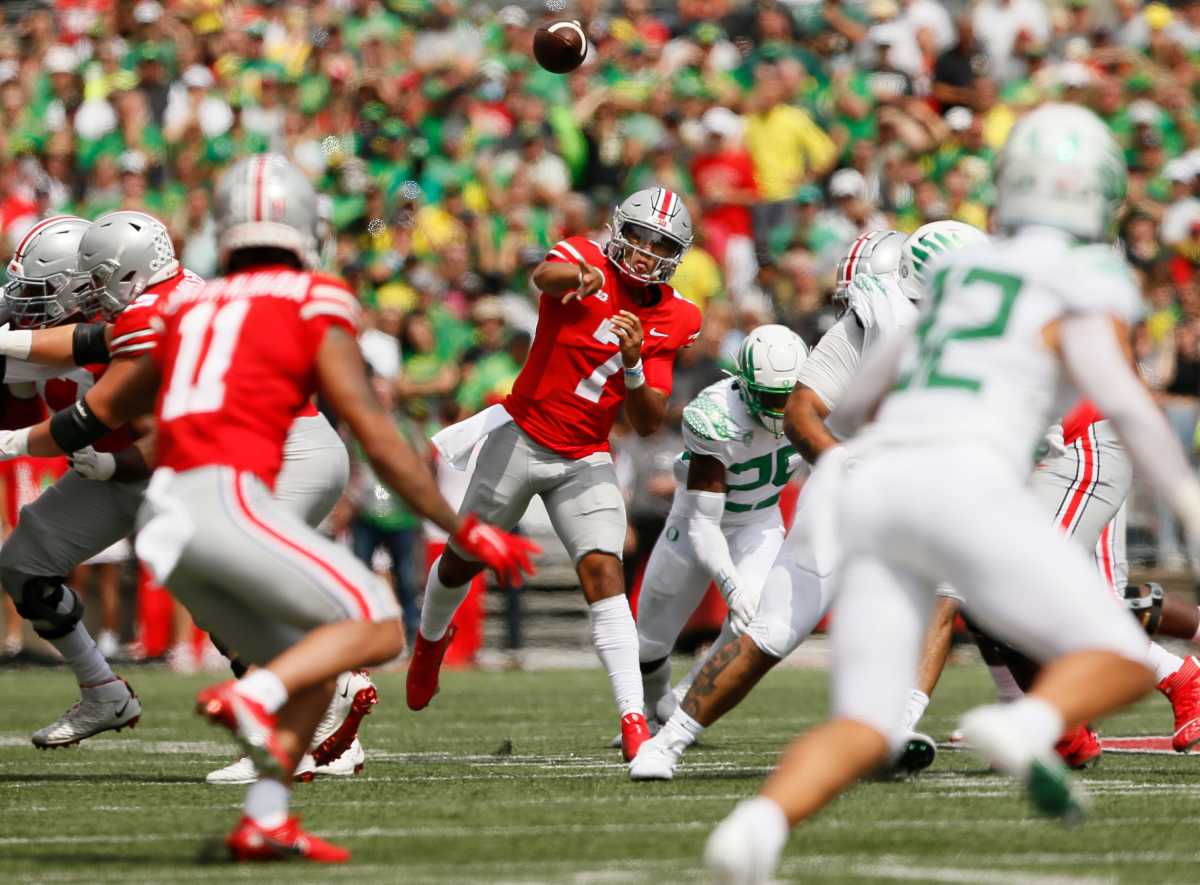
(90,464)
(1052,444)
(14,443)
(743,604)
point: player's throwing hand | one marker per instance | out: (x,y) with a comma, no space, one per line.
(628,328)
(590,281)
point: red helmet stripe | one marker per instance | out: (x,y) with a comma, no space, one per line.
(664,203)
(852,258)
(260,166)
(33,230)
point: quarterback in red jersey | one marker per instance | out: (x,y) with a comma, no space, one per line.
(608,330)
(238,358)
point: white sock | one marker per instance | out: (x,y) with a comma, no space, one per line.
(1161,661)
(915,709)
(1007,689)
(656,683)
(1038,720)
(83,657)
(265,687)
(267,803)
(682,730)
(763,817)
(615,636)
(440,604)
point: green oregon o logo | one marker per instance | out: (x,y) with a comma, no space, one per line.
(672,533)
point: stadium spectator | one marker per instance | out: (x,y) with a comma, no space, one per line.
(452,162)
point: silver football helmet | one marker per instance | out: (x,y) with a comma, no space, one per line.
(875,252)
(265,202)
(655,224)
(43,288)
(121,255)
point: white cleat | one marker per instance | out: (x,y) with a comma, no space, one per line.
(915,756)
(108,707)
(240,772)
(353,699)
(348,764)
(744,849)
(991,732)
(656,760)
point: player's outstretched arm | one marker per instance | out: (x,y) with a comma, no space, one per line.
(804,423)
(125,392)
(566,280)
(74,345)
(342,380)
(879,372)
(645,406)
(705,497)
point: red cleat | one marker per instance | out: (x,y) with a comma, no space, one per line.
(634,733)
(250,842)
(253,727)
(423,669)
(1080,747)
(1182,689)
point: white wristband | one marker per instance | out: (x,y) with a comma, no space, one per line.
(635,376)
(16,343)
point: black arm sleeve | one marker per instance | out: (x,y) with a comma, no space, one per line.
(89,344)
(76,428)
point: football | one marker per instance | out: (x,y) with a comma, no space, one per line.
(560,47)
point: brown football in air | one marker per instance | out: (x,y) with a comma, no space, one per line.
(560,47)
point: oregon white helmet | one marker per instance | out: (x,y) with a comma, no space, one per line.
(265,202)
(927,242)
(121,255)
(652,222)
(43,288)
(768,366)
(875,252)
(1062,168)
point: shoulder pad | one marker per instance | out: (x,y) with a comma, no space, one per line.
(708,417)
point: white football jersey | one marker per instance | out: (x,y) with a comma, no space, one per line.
(977,366)
(757,463)
(878,309)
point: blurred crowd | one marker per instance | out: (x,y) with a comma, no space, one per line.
(452,162)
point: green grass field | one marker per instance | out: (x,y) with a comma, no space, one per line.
(506,778)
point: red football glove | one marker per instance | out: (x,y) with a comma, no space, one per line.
(506,555)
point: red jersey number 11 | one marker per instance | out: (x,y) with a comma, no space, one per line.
(192,392)
(592,387)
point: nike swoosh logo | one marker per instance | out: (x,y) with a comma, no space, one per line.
(658,334)
(346,691)
(124,707)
